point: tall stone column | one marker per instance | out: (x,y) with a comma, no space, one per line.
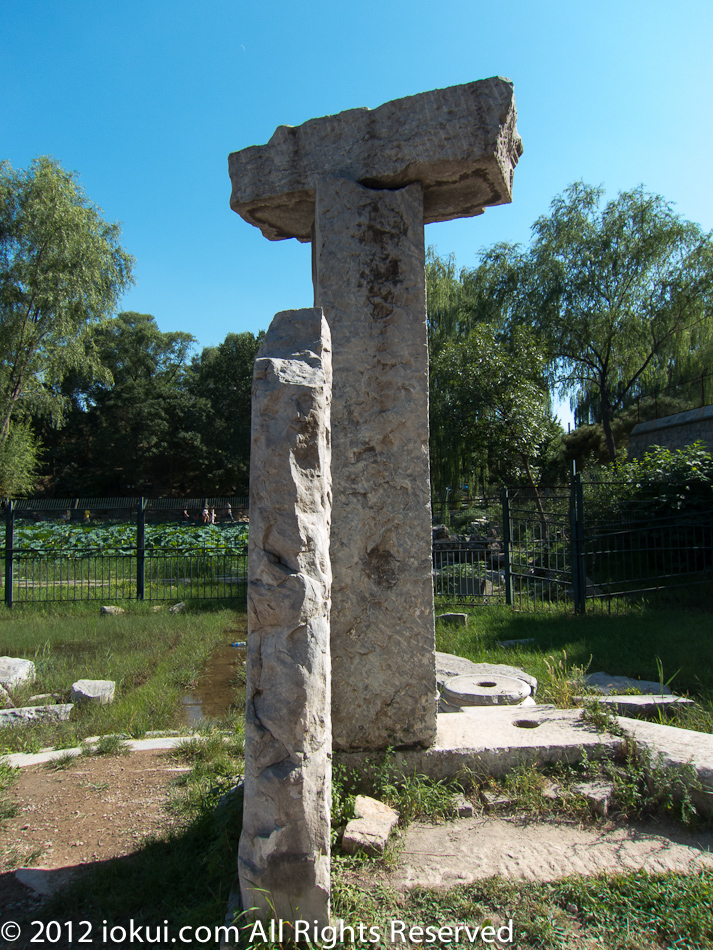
(284,851)
(361,185)
(369,279)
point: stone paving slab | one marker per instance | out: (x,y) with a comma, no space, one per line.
(23,759)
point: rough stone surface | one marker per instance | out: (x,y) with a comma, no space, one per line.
(43,699)
(369,278)
(14,671)
(5,699)
(464,808)
(370,830)
(449,665)
(58,712)
(488,690)
(607,684)
(284,850)
(177,608)
(460,620)
(673,432)
(100,692)
(597,794)
(113,611)
(460,143)
(360,186)
(642,705)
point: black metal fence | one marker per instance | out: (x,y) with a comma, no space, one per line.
(560,547)
(124,548)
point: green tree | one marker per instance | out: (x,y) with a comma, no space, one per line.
(142,430)
(222,375)
(620,295)
(62,271)
(498,400)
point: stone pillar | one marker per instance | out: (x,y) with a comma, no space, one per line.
(284,849)
(370,281)
(361,185)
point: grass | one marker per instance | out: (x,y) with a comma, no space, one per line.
(636,911)
(154,658)
(186,875)
(643,643)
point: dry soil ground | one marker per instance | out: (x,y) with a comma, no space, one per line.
(103,807)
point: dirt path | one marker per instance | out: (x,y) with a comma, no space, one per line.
(104,807)
(100,808)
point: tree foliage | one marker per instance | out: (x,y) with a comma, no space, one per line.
(62,270)
(490,412)
(619,295)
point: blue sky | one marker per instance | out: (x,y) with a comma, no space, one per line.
(144,100)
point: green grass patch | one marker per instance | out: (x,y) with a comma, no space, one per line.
(636,911)
(565,646)
(154,658)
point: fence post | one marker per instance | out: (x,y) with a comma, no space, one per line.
(576,514)
(9,544)
(140,564)
(507,547)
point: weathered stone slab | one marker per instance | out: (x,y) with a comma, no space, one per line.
(284,848)
(100,692)
(5,699)
(607,684)
(598,795)
(488,690)
(59,712)
(449,665)
(370,830)
(369,278)
(460,143)
(112,611)
(14,671)
(645,704)
(460,620)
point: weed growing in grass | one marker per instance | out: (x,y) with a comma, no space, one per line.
(65,761)
(106,745)
(563,685)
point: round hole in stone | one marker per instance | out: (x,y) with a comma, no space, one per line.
(526,723)
(487,684)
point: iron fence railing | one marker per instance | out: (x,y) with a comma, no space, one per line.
(554,547)
(124,548)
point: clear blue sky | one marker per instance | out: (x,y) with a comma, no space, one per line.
(146,99)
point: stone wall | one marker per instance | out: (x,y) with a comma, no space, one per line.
(673,432)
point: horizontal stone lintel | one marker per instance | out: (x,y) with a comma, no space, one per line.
(460,143)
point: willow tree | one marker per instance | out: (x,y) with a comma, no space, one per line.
(62,270)
(620,295)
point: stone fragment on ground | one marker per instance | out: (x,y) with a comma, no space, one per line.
(43,699)
(644,705)
(14,671)
(607,684)
(449,665)
(59,712)
(491,689)
(177,608)
(495,799)
(370,830)
(100,692)
(598,794)
(112,611)
(45,881)
(5,699)
(463,807)
(458,619)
